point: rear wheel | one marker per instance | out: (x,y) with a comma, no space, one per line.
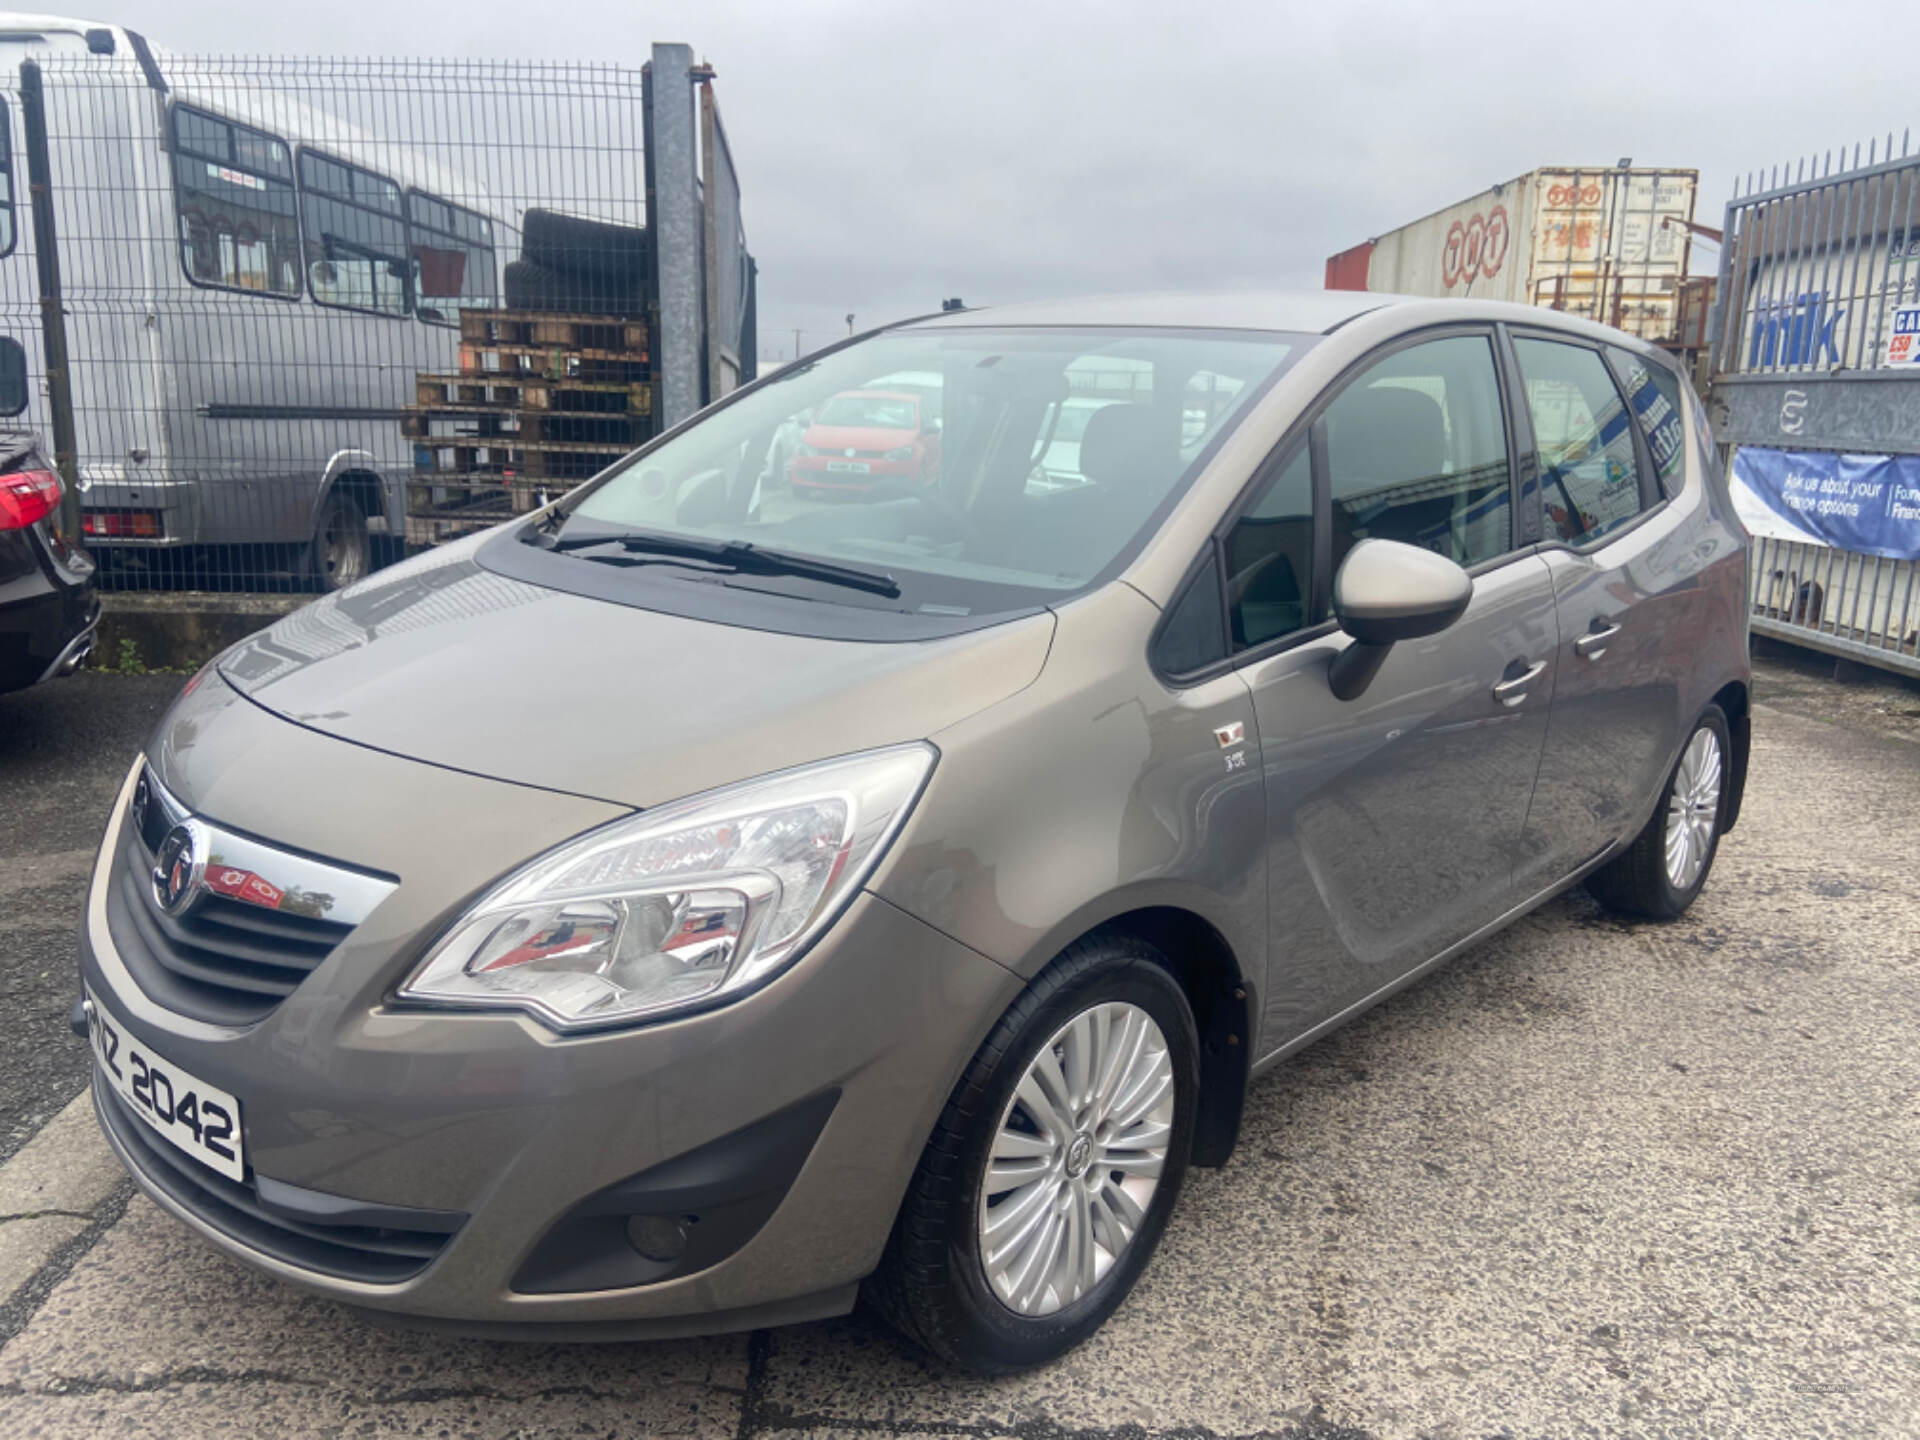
(1659,875)
(341,552)
(1049,1179)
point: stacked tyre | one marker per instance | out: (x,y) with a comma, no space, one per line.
(576,266)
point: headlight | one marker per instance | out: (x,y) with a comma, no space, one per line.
(676,908)
(905,452)
(806,451)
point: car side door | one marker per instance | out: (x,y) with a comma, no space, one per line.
(1394,818)
(1618,554)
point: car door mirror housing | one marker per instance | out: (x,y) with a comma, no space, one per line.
(1386,592)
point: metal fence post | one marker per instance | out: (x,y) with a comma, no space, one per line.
(673,216)
(53,318)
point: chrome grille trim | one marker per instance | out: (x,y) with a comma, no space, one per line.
(313,889)
(242,924)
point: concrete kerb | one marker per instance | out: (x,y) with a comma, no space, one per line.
(179,631)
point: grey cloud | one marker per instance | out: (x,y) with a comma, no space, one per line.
(892,154)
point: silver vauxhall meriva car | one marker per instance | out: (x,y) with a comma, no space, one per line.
(695,905)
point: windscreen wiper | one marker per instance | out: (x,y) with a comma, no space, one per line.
(740,556)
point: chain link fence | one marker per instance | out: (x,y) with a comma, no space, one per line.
(279,318)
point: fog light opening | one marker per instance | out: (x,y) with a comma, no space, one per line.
(660,1238)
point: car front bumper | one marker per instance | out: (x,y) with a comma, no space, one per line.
(506,1132)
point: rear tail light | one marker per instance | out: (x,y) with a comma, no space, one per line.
(121,524)
(28,497)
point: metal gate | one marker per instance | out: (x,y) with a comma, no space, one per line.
(1815,355)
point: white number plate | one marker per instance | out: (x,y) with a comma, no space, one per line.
(186,1112)
(849,467)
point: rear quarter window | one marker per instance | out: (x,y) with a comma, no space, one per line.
(1654,392)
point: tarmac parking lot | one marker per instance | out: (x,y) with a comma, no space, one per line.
(1590,1179)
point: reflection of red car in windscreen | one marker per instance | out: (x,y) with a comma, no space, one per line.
(860,436)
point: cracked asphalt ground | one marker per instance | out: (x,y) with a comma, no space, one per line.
(64,750)
(1590,1179)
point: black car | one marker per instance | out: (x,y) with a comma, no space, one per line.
(48,610)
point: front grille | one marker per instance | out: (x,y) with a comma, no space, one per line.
(224,957)
(378,1255)
(223,960)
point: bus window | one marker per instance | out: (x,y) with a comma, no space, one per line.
(6,181)
(234,188)
(452,252)
(356,236)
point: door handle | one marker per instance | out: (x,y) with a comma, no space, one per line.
(1512,692)
(1593,644)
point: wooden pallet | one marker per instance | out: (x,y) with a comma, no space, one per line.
(453,424)
(553,362)
(542,401)
(543,328)
(519,392)
(438,510)
(512,458)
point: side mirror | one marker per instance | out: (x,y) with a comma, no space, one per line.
(1386,592)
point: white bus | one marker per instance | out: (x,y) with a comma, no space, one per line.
(249,286)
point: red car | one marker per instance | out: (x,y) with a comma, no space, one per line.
(861,436)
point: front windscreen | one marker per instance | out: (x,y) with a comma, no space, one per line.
(982,470)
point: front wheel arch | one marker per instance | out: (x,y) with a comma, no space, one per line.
(1201,960)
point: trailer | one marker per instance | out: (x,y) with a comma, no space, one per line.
(1607,243)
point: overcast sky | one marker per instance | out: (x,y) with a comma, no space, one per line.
(891,155)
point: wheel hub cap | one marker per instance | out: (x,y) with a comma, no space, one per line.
(1079,1154)
(1076,1159)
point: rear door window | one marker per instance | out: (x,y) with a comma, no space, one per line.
(1589,470)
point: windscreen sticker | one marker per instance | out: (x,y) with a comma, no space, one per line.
(235,177)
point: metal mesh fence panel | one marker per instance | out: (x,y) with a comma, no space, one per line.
(314,309)
(1817,262)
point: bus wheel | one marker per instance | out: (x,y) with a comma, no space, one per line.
(341,551)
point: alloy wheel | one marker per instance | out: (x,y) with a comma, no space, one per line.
(1076,1158)
(1693,808)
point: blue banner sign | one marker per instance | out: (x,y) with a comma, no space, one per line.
(1869,504)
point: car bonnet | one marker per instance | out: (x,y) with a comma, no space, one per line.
(450,664)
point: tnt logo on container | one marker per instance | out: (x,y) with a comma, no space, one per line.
(1474,248)
(1559,195)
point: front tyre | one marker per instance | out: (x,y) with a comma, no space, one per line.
(1053,1169)
(1658,876)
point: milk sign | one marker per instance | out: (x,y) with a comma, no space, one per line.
(1903,346)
